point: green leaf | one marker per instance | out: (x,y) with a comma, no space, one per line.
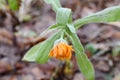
(55,4)
(63,16)
(53,26)
(13,4)
(39,53)
(71,27)
(31,55)
(83,62)
(111,14)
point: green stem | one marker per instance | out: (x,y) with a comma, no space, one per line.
(62,35)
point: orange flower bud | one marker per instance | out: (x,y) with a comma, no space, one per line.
(61,51)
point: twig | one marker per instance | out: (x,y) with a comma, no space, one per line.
(14,21)
(99,53)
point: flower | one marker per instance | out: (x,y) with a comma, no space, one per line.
(61,51)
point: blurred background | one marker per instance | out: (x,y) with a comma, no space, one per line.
(21,25)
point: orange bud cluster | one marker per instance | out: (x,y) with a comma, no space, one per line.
(61,51)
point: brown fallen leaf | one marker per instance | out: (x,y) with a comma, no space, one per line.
(78,76)
(5,66)
(117,77)
(117,24)
(27,77)
(6,36)
(38,73)
(103,66)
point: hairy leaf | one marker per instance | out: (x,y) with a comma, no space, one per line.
(39,53)
(111,14)
(55,4)
(83,62)
(63,16)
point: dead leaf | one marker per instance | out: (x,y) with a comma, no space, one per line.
(117,77)
(78,76)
